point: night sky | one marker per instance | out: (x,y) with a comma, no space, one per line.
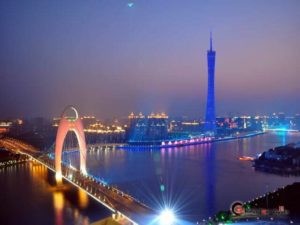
(109,59)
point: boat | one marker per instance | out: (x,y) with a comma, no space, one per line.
(246,158)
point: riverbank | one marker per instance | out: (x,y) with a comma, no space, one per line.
(189,142)
(283,160)
(9,158)
(281,205)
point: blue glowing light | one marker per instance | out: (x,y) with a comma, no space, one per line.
(210,116)
(130,4)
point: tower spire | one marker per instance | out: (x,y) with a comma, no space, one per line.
(211,46)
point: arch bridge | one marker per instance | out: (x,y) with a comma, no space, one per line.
(121,204)
(127,209)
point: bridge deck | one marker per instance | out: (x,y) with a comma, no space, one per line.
(110,197)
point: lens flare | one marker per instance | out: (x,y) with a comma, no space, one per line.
(167,217)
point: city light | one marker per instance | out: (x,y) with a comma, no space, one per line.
(58,176)
(167,217)
(164,130)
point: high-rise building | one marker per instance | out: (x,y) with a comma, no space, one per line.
(137,127)
(210,118)
(147,130)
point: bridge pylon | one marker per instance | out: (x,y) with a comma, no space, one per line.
(67,124)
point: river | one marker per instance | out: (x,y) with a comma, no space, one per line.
(195,181)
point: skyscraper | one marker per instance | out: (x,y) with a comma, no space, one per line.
(210,118)
(152,129)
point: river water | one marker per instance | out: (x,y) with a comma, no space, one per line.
(195,181)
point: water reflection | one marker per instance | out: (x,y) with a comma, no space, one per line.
(38,172)
(34,186)
(83,199)
(283,134)
(67,206)
(201,179)
(58,203)
(210,179)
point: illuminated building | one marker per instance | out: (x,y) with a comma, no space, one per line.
(192,126)
(9,125)
(210,119)
(5,123)
(137,127)
(231,125)
(92,125)
(88,120)
(98,132)
(297,121)
(281,118)
(147,130)
(157,126)
(4,126)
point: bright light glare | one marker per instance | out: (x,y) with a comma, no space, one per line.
(58,176)
(167,217)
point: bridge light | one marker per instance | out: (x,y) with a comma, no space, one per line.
(84,172)
(167,217)
(58,177)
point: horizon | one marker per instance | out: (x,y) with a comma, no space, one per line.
(170,116)
(109,58)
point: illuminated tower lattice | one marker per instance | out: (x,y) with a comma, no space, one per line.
(210,120)
(67,124)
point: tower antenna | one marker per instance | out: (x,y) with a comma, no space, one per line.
(211,46)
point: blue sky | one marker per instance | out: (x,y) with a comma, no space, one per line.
(109,59)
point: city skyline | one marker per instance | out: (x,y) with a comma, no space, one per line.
(109,59)
(160,112)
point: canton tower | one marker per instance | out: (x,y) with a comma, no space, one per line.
(210,118)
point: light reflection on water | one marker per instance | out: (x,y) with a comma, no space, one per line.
(199,180)
(60,203)
(32,197)
(83,199)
